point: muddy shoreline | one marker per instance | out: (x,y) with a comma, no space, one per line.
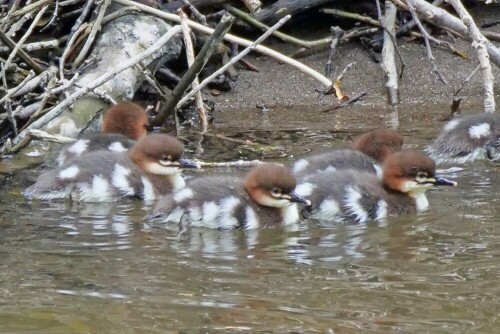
(280,85)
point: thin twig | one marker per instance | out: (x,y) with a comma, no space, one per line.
(21,53)
(12,92)
(57,110)
(93,32)
(188,43)
(234,60)
(426,36)
(337,33)
(467,80)
(199,16)
(201,59)
(479,43)
(83,15)
(233,39)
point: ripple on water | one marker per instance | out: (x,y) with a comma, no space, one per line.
(80,268)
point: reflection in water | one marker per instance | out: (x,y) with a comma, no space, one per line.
(98,268)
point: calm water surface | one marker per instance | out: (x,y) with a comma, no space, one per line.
(100,268)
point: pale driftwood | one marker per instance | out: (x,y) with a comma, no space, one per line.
(45,136)
(233,39)
(51,44)
(388,56)
(188,44)
(120,82)
(479,43)
(254,6)
(232,61)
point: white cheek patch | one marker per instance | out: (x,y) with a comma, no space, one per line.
(353,206)
(119,179)
(251,219)
(69,173)
(117,147)
(148,190)
(481,130)
(451,125)
(100,187)
(304,189)
(183,194)
(78,147)
(210,214)
(300,165)
(158,169)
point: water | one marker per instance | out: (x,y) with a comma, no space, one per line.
(100,268)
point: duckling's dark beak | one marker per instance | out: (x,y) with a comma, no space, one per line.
(185,163)
(293,197)
(441,181)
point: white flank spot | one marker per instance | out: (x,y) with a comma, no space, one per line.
(117,147)
(290,214)
(329,209)
(353,206)
(148,190)
(69,173)
(227,207)
(300,165)
(330,169)
(61,158)
(378,171)
(119,179)
(451,125)
(183,194)
(481,130)
(251,219)
(381,209)
(100,187)
(421,202)
(304,189)
(78,147)
(210,214)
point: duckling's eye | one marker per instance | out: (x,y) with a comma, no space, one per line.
(276,192)
(421,176)
(166,160)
